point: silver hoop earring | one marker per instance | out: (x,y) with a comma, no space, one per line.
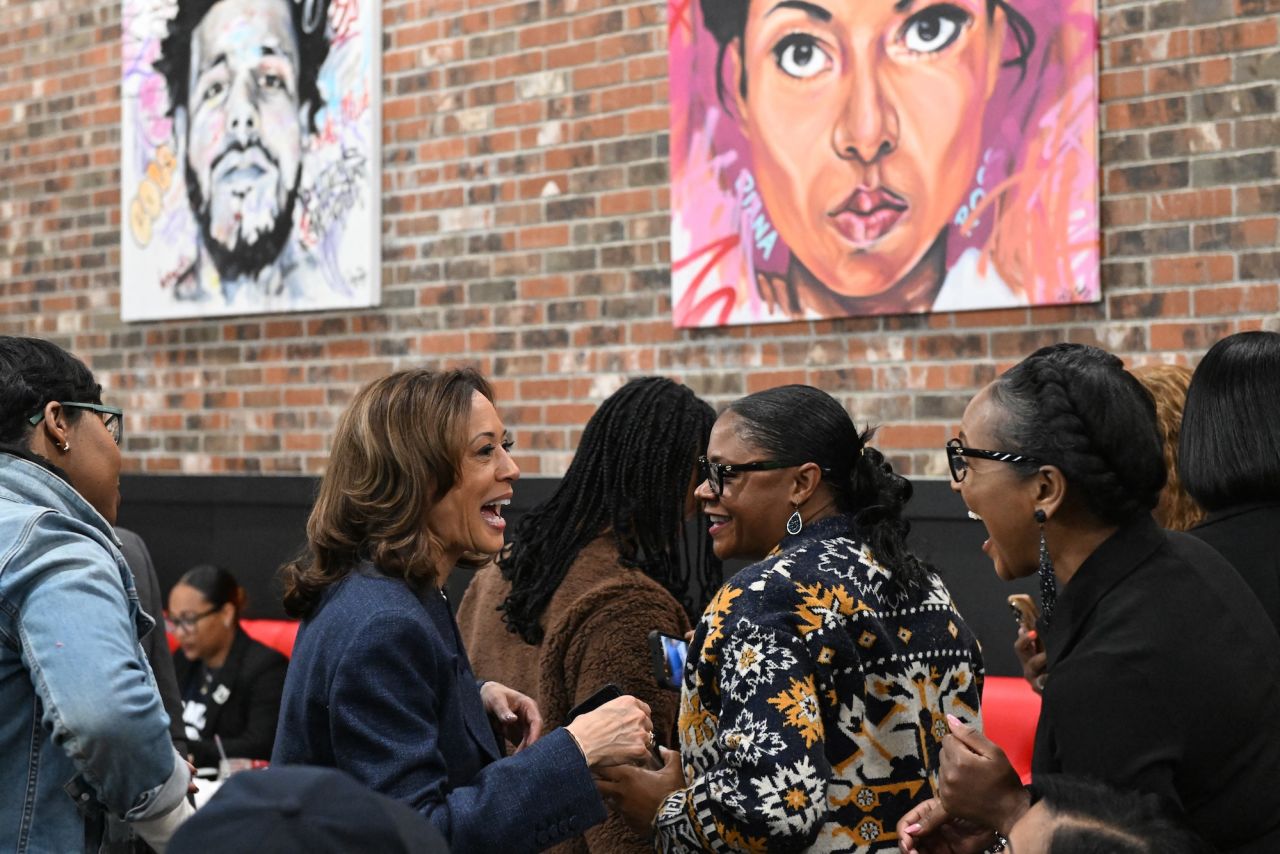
(794,523)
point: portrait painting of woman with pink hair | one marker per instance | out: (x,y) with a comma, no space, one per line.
(833,158)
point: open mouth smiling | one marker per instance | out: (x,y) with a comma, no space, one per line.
(492,513)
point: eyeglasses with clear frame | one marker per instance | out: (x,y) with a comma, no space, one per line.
(959,466)
(188,624)
(112,417)
(716,473)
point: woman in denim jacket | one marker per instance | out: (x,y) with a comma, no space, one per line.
(83,732)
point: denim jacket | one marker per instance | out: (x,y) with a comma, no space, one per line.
(82,728)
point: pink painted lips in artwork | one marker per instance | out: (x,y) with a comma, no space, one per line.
(868,215)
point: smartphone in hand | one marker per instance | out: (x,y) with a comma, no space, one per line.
(667,654)
(595,701)
(1025,611)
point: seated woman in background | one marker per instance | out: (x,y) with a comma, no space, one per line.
(1163,670)
(380,685)
(1231,457)
(230,684)
(824,674)
(598,566)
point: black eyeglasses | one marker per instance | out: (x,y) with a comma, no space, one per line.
(956,454)
(715,473)
(187,624)
(112,417)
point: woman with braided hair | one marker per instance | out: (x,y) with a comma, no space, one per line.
(822,676)
(599,565)
(1146,688)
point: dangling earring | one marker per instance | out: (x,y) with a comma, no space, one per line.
(66,447)
(794,523)
(1048,582)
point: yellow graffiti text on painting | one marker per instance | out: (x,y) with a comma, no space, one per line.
(148,200)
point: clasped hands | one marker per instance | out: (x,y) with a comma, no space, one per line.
(979,794)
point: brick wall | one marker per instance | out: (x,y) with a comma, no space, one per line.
(525,223)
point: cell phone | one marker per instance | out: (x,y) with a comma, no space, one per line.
(595,701)
(668,653)
(1025,610)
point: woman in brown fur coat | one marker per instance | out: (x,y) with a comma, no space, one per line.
(603,562)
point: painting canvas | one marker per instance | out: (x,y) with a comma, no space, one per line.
(837,159)
(250,175)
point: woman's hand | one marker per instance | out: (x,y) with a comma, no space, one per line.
(977,783)
(1032,655)
(513,714)
(637,793)
(618,733)
(927,829)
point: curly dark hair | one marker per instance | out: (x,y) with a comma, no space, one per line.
(796,424)
(1076,407)
(726,20)
(630,476)
(32,373)
(313,48)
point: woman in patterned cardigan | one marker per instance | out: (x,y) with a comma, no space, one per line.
(822,678)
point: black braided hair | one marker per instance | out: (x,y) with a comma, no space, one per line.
(631,476)
(1076,407)
(796,424)
(34,372)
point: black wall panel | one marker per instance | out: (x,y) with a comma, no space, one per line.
(252,525)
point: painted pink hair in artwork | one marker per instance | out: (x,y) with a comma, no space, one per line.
(1045,240)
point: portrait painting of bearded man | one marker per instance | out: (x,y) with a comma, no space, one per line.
(250,160)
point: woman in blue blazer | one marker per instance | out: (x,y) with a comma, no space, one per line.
(379,684)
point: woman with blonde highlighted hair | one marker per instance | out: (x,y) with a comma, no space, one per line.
(1177,510)
(380,686)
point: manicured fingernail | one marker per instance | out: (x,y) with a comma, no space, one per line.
(911,828)
(954,721)
(509,716)
(1032,634)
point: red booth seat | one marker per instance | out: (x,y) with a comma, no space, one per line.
(280,634)
(1010,710)
(277,634)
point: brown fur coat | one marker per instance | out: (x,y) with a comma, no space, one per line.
(596,632)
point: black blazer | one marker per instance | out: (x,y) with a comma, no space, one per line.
(253,679)
(1164,676)
(1249,537)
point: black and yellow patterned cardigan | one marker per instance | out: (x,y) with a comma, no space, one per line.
(815,702)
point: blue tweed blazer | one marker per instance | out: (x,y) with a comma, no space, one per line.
(380,687)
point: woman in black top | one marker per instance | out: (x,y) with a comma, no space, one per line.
(1230,457)
(230,683)
(1147,687)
